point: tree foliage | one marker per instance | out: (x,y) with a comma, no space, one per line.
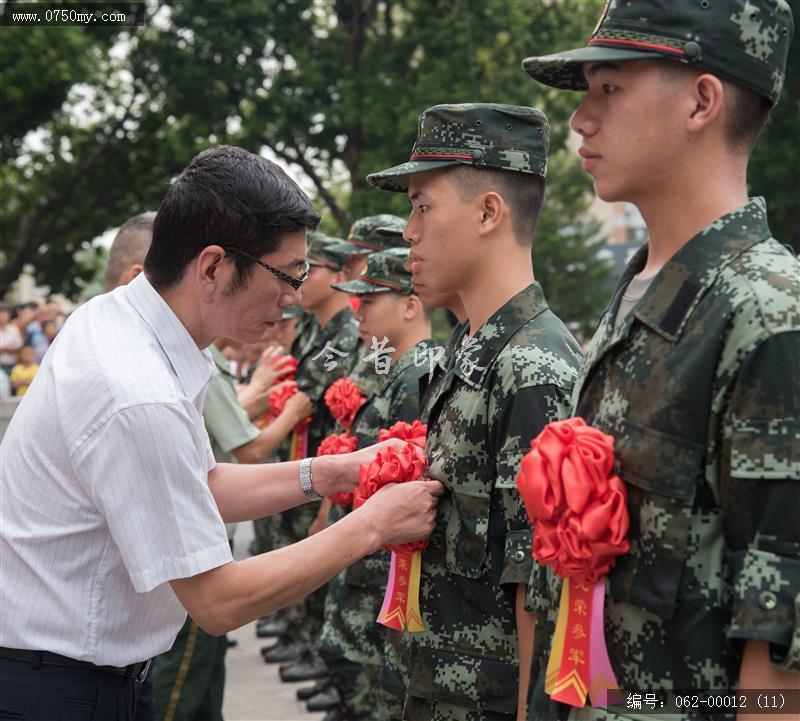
(100,122)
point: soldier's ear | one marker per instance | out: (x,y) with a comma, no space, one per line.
(493,212)
(705,101)
(412,307)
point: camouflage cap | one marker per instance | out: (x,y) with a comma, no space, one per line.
(482,135)
(322,251)
(389,234)
(746,41)
(385,272)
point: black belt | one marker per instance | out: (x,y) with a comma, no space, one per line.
(136,671)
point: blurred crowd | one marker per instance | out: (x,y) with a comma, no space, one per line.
(27,330)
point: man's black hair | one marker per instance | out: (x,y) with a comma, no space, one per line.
(226,196)
(523,193)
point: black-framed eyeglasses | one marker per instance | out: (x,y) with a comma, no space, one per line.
(285,277)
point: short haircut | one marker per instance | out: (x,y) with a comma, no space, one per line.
(746,111)
(129,247)
(226,196)
(523,193)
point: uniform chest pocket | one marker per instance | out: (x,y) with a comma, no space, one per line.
(464,510)
(661,473)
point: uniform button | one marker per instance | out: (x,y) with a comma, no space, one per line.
(768,600)
(519,555)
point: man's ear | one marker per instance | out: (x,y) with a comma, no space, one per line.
(209,271)
(707,96)
(493,211)
(130,273)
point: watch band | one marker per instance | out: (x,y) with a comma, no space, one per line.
(306,479)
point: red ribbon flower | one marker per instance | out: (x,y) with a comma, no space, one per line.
(344,399)
(577,507)
(277,397)
(333,445)
(287,367)
(412,432)
(392,465)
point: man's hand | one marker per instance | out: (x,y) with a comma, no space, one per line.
(403,512)
(339,474)
(298,407)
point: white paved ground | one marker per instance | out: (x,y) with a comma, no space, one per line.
(253,690)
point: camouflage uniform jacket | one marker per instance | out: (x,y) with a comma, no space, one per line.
(700,385)
(313,378)
(355,596)
(502,387)
(305,334)
(364,374)
(396,399)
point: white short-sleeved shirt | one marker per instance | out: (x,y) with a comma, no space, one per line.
(104,492)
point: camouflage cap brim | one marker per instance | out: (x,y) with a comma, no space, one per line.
(360,287)
(347,248)
(565,70)
(396,179)
(293,311)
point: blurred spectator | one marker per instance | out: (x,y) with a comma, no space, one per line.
(50,330)
(23,372)
(11,340)
(128,251)
(5,384)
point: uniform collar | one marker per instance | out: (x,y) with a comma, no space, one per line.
(336,323)
(404,362)
(192,366)
(475,355)
(677,289)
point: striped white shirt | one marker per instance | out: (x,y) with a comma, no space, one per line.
(104,492)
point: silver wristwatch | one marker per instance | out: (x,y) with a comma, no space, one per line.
(306,478)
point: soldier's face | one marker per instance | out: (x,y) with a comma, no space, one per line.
(443,232)
(317,288)
(630,123)
(379,315)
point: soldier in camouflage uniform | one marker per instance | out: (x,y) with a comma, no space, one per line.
(322,359)
(352,643)
(476,183)
(694,367)
(368,235)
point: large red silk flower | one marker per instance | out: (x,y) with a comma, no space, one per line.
(392,466)
(344,399)
(577,507)
(412,432)
(277,397)
(279,394)
(333,445)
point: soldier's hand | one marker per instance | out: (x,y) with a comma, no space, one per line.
(404,512)
(299,407)
(270,368)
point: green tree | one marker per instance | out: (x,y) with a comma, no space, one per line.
(335,89)
(775,165)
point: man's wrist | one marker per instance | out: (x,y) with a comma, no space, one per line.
(307,480)
(325,475)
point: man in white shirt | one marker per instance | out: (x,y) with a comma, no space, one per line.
(111,504)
